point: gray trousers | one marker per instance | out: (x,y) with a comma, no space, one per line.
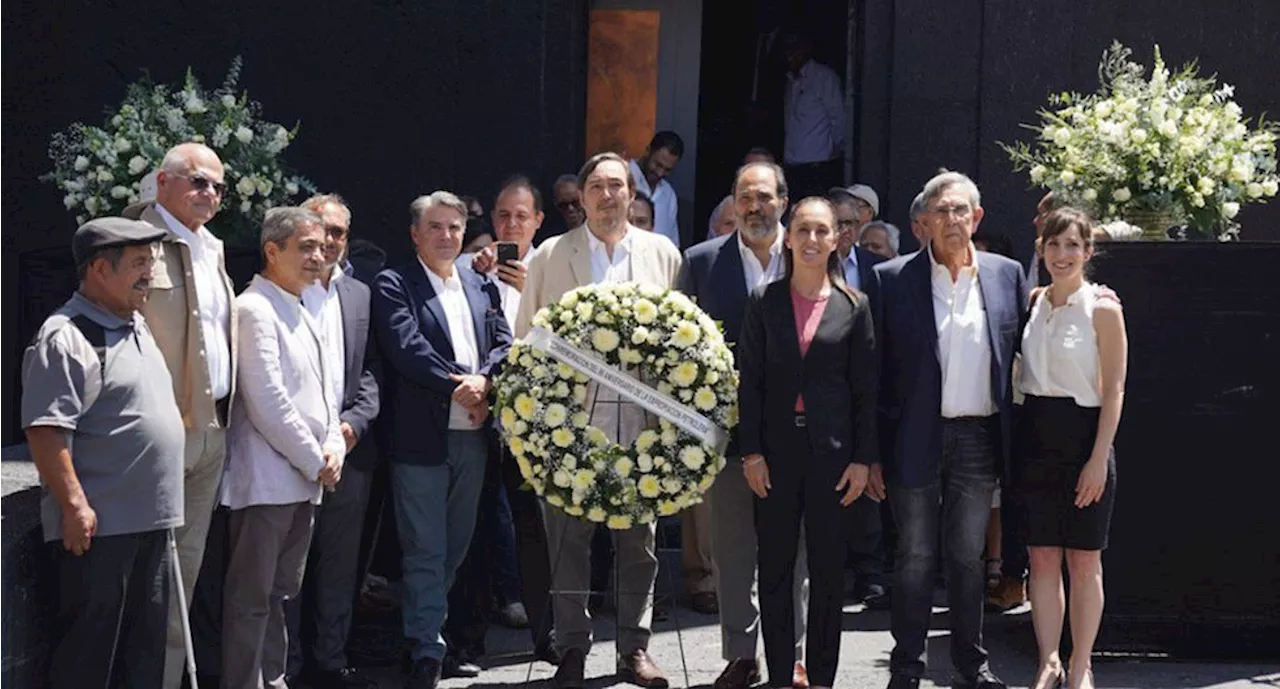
(733,550)
(320,618)
(204,457)
(268,554)
(569,549)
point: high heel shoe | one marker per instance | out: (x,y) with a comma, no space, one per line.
(1051,678)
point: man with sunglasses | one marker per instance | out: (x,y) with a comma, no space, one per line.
(567,196)
(189,312)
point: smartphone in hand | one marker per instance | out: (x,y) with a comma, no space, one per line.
(508,252)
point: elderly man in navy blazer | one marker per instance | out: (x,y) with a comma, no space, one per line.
(443,337)
(946,321)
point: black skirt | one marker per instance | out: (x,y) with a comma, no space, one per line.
(1053,440)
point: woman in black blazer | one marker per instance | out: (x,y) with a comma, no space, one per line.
(807,433)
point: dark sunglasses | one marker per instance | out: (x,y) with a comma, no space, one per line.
(202,183)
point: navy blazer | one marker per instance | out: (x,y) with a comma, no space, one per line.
(711,275)
(910,373)
(418,356)
(867,263)
(360,401)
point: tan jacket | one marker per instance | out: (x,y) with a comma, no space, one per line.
(564,263)
(171,312)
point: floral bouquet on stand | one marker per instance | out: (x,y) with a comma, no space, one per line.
(100,170)
(1167,150)
(617,332)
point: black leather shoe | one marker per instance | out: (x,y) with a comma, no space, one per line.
(572,670)
(346,678)
(904,682)
(425,675)
(547,654)
(984,679)
(455,666)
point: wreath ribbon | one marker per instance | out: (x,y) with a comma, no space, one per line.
(658,403)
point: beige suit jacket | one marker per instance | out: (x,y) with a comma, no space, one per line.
(172,312)
(563,263)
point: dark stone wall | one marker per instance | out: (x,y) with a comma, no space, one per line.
(941,83)
(395,98)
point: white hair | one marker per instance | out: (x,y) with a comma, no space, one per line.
(934,187)
(895,235)
(716,214)
(448,199)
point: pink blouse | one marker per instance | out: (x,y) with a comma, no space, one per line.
(808,315)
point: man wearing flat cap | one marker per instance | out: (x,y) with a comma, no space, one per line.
(107,438)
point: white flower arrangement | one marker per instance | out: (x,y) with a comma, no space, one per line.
(101,170)
(1173,143)
(662,336)
(1121,231)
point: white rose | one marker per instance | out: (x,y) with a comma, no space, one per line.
(91,204)
(104,175)
(137,164)
(119,192)
(122,144)
(1168,129)
(1037,173)
(1138,135)
(244,134)
(1062,136)
(81,164)
(1269,187)
(246,207)
(246,186)
(1067,177)
(1122,194)
(1230,209)
(1090,195)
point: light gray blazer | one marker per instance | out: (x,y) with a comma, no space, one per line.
(284,418)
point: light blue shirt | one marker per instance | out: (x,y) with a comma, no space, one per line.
(851,270)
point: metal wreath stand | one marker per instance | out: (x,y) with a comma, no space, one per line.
(620,404)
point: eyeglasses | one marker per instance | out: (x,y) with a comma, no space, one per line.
(336,232)
(958,211)
(202,183)
(846,224)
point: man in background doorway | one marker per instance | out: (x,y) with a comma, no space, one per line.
(650,172)
(569,215)
(813,120)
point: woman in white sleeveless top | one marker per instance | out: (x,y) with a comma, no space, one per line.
(1074,358)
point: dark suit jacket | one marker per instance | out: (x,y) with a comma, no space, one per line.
(910,373)
(712,276)
(418,356)
(867,263)
(837,377)
(360,397)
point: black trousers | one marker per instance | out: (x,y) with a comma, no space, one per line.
(803,489)
(531,552)
(113,613)
(206,599)
(320,618)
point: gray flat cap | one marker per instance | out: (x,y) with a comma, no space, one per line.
(107,232)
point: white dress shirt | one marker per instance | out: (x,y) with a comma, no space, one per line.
(510,296)
(756,274)
(1060,349)
(212,301)
(325,307)
(462,335)
(964,348)
(665,204)
(813,115)
(851,275)
(610,269)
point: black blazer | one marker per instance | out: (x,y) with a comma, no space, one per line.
(837,377)
(418,356)
(360,401)
(711,275)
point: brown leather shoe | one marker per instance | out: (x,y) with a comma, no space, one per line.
(799,677)
(572,671)
(639,669)
(740,673)
(704,603)
(1008,594)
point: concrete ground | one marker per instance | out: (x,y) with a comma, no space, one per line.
(690,643)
